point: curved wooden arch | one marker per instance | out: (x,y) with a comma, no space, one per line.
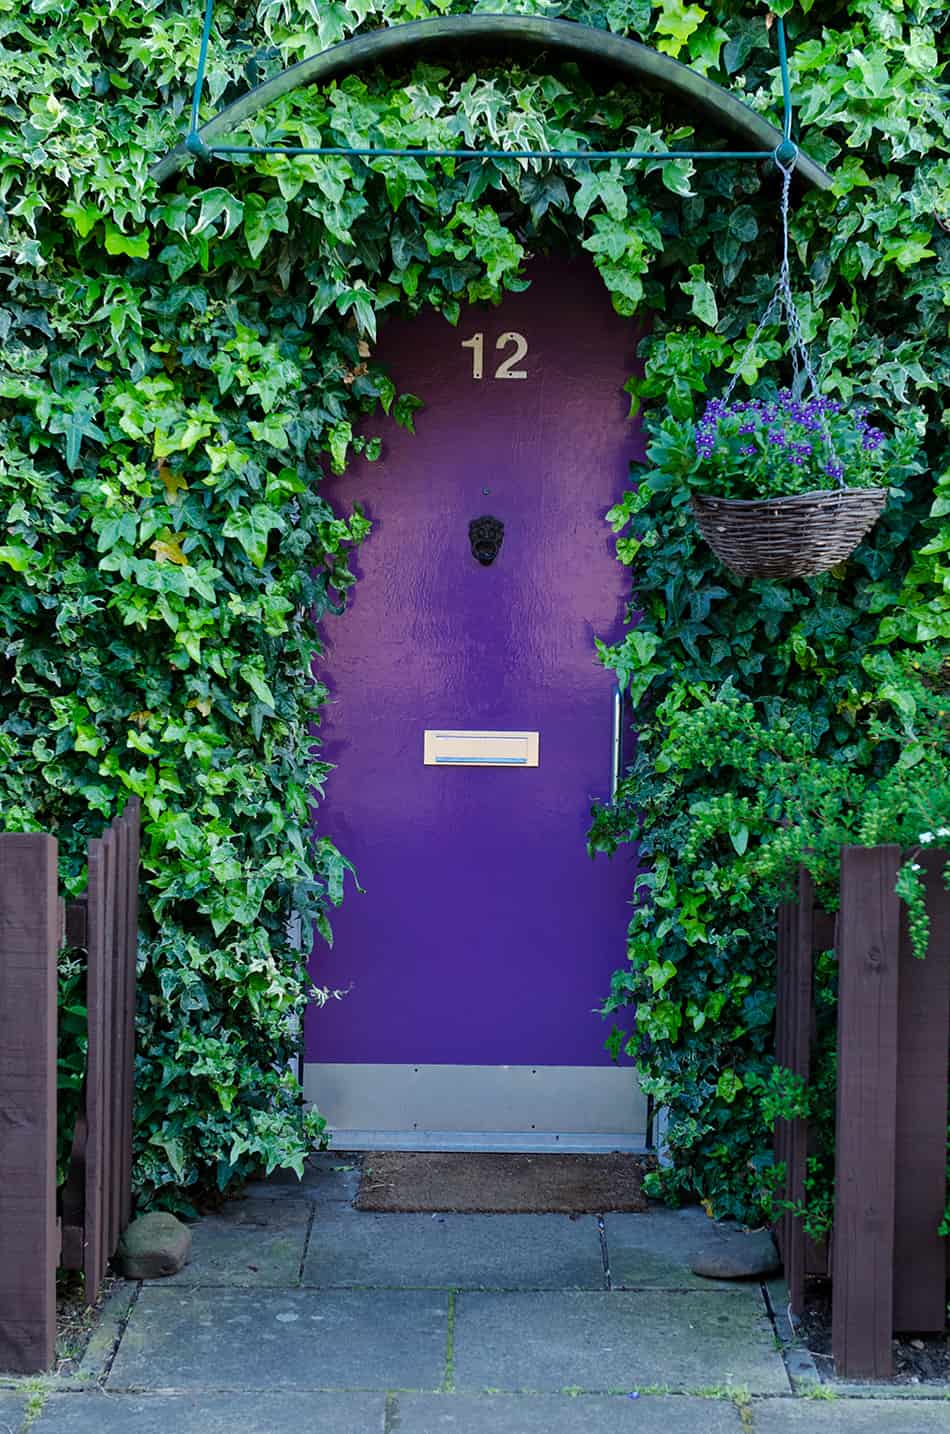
(507,36)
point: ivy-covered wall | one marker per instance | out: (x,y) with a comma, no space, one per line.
(180,366)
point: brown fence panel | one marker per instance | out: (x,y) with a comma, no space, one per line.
(29,1242)
(865,1133)
(113,921)
(920,1294)
(97,1201)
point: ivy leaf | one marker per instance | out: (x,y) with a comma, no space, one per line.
(261,219)
(704,46)
(601,186)
(254,677)
(729,1085)
(675,25)
(173,481)
(18,556)
(252,527)
(134,245)
(272,430)
(214,203)
(167,548)
(703,295)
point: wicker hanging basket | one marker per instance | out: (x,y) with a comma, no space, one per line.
(787,537)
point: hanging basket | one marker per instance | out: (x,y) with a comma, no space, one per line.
(787,537)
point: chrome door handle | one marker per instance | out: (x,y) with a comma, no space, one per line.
(616,743)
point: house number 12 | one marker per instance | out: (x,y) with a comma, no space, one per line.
(507,368)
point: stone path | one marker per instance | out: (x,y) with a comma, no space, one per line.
(298,1313)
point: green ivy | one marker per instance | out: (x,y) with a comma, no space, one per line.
(180,367)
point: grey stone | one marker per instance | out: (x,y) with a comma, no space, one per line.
(228,1339)
(154,1245)
(563,1414)
(737,1255)
(12,1408)
(653,1251)
(534,1252)
(209,1413)
(851,1416)
(249,1242)
(604,1343)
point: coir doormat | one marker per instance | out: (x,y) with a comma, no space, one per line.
(502,1184)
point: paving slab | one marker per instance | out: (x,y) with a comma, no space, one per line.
(209,1413)
(851,1416)
(229,1339)
(504,1252)
(248,1242)
(653,1250)
(11,1411)
(615,1342)
(562,1414)
(328,1178)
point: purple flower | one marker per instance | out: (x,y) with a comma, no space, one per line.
(834,468)
(747,450)
(777,436)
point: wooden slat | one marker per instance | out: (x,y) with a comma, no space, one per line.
(76,930)
(800,1063)
(29,1243)
(131,815)
(783,971)
(94,1214)
(921,1154)
(119,1043)
(868,958)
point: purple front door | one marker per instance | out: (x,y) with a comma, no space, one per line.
(486,936)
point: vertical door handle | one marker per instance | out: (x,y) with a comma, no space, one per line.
(616,743)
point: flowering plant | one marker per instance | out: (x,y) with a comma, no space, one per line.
(763,447)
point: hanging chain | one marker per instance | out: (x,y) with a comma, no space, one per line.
(782,304)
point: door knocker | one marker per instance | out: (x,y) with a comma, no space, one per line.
(486,535)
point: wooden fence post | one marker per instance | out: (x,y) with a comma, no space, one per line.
(29,1245)
(866,1123)
(920,1256)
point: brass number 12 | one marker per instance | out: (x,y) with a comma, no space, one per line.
(507,368)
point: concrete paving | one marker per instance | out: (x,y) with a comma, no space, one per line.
(11,1412)
(647,1251)
(614,1342)
(211,1413)
(250,1242)
(492,1252)
(853,1416)
(292,1339)
(551,1414)
(300,1313)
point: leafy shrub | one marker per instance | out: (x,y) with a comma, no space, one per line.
(181,366)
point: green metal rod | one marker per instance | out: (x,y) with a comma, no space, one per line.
(595,154)
(202,61)
(786,85)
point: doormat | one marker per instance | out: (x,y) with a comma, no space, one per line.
(466,1182)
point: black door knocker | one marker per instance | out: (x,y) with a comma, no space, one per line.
(486,535)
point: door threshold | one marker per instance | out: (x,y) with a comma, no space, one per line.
(523,1141)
